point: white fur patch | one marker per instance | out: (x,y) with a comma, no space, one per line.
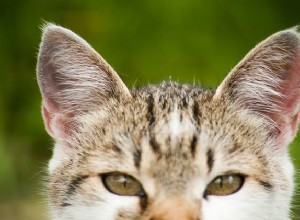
(178,127)
(59,155)
(106,209)
(175,122)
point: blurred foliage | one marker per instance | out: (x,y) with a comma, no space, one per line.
(145,41)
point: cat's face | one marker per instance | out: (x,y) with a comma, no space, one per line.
(169,151)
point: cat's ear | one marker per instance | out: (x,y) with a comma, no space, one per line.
(73,79)
(267,82)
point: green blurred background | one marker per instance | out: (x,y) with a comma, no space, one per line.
(145,41)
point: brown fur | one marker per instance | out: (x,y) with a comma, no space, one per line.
(174,139)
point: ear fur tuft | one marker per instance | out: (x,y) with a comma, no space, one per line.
(73,79)
(267,82)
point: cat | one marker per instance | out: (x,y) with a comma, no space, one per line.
(169,151)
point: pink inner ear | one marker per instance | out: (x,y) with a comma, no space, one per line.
(295,122)
(55,124)
(288,116)
(48,111)
(47,120)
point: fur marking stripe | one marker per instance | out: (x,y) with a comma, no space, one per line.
(150,112)
(194,145)
(75,184)
(268,186)
(210,159)
(154,145)
(137,156)
(196,112)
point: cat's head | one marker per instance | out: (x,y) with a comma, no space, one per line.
(169,151)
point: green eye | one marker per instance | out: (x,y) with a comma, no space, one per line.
(122,184)
(224,185)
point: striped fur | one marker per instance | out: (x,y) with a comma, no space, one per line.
(174,139)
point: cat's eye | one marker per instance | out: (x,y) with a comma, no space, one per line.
(225,185)
(122,184)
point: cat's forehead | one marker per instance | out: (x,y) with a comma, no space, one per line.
(169,102)
(174,126)
(165,111)
(171,112)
